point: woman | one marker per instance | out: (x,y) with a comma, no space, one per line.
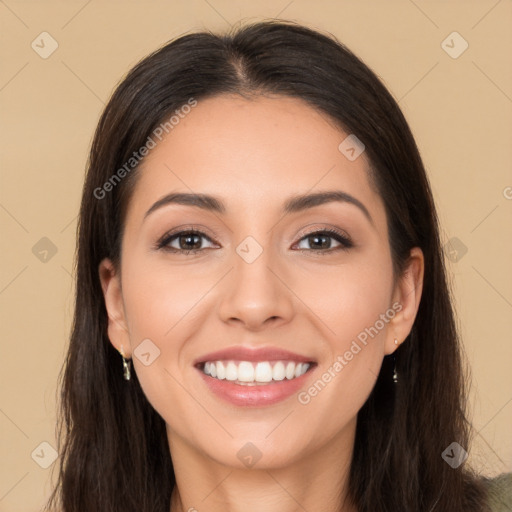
(259,242)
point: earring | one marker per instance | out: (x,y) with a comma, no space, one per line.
(395,374)
(126,366)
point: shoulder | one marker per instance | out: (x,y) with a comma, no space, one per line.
(500,492)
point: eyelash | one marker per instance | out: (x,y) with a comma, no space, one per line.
(345,241)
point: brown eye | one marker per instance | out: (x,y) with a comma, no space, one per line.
(186,241)
(320,241)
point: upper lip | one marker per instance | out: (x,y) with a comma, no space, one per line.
(253,355)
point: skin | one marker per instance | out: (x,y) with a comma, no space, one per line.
(254,154)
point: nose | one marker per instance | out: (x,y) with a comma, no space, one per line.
(256,294)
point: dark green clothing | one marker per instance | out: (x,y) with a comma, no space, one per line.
(500,492)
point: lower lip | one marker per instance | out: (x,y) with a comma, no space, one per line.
(258,395)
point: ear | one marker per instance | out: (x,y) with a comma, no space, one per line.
(117,326)
(406,296)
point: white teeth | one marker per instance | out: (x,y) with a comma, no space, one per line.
(231,371)
(290,371)
(263,372)
(278,371)
(221,372)
(247,372)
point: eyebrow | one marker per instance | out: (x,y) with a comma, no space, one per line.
(294,204)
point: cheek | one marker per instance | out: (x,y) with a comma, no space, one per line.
(166,307)
(347,299)
(353,310)
(160,310)
(158,298)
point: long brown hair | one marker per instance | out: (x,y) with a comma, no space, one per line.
(113,444)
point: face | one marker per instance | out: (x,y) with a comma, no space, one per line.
(315,281)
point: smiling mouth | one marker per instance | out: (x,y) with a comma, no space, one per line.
(255,373)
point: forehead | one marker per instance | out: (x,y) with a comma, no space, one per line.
(255,153)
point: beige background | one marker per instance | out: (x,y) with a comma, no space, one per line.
(459,109)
